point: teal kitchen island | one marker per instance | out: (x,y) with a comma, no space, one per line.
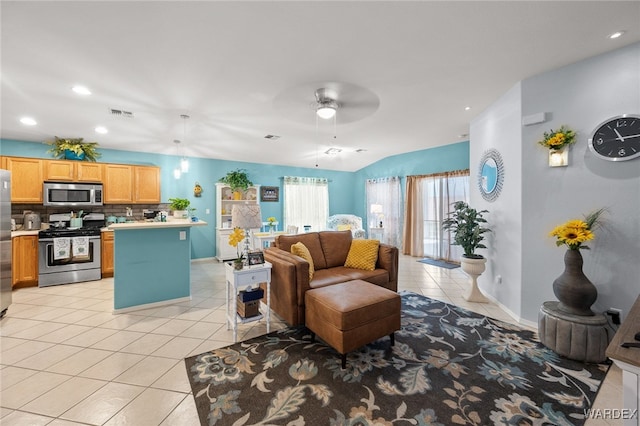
(152,263)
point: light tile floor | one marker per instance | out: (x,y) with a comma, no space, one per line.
(65,359)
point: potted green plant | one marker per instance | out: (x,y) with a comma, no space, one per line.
(74,149)
(467,226)
(238,181)
(179,207)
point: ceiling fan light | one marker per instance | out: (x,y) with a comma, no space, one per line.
(326,110)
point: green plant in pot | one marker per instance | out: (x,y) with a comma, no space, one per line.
(237,180)
(179,206)
(74,149)
(468,227)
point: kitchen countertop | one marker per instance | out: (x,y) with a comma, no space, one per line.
(174,223)
(23,233)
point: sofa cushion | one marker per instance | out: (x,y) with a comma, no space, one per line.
(325,277)
(311,240)
(377,276)
(363,254)
(301,250)
(335,246)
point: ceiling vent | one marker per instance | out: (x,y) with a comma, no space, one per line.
(121,113)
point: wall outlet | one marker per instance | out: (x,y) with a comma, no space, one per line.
(498,279)
(183,235)
(615,314)
(207,211)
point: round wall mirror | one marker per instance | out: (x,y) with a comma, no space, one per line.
(490,175)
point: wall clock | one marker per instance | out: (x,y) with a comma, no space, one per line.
(617,138)
(490,175)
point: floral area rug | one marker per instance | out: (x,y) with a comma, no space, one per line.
(448,366)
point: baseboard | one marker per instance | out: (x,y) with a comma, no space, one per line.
(151,305)
(512,314)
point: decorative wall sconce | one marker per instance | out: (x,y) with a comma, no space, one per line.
(558,158)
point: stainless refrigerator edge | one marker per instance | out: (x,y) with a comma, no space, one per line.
(5,241)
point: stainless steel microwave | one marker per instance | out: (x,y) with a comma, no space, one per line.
(72,194)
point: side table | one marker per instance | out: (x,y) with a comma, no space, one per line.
(628,359)
(581,338)
(237,280)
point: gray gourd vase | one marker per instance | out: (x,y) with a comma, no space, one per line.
(573,289)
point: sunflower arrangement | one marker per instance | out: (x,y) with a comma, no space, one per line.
(235,238)
(558,139)
(576,232)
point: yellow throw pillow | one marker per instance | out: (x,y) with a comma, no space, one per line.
(344,227)
(363,254)
(301,250)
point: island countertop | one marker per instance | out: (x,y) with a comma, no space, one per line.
(175,223)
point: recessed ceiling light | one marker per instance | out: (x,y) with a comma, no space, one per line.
(463,135)
(272,137)
(28,121)
(81,90)
(102,130)
(467,108)
(333,151)
(616,34)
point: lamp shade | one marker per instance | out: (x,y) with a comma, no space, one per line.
(246,216)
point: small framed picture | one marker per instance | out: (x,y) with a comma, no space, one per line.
(269,193)
(255,258)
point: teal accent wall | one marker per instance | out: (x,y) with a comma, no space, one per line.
(346,189)
(434,160)
(207,172)
(151,265)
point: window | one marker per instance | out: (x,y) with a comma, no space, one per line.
(429,199)
(383,210)
(306,202)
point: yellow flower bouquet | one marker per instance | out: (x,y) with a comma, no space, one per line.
(576,232)
(235,238)
(558,139)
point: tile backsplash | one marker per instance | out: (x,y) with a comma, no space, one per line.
(17,210)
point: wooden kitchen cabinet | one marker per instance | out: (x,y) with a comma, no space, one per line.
(118,184)
(74,171)
(131,184)
(106,254)
(146,184)
(24,260)
(26,179)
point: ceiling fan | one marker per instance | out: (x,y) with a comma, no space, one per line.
(351,102)
(326,105)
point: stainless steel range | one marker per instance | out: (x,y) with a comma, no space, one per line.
(69,255)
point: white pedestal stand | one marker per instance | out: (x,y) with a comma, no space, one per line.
(474,268)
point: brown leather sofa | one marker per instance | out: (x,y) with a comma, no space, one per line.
(329,250)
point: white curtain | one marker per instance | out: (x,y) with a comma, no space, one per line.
(306,202)
(439,192)
(384,207)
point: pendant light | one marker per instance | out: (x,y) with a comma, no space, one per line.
(184,163)
(177,172)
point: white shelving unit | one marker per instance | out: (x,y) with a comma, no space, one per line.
(224,203)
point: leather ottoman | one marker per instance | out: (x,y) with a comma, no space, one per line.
(352,314)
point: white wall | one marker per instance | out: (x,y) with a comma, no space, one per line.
(499,127)
(582,95)
(536,197)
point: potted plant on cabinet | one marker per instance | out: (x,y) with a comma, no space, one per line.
(238,181)
(74,149)
(179,207)
(467,226)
